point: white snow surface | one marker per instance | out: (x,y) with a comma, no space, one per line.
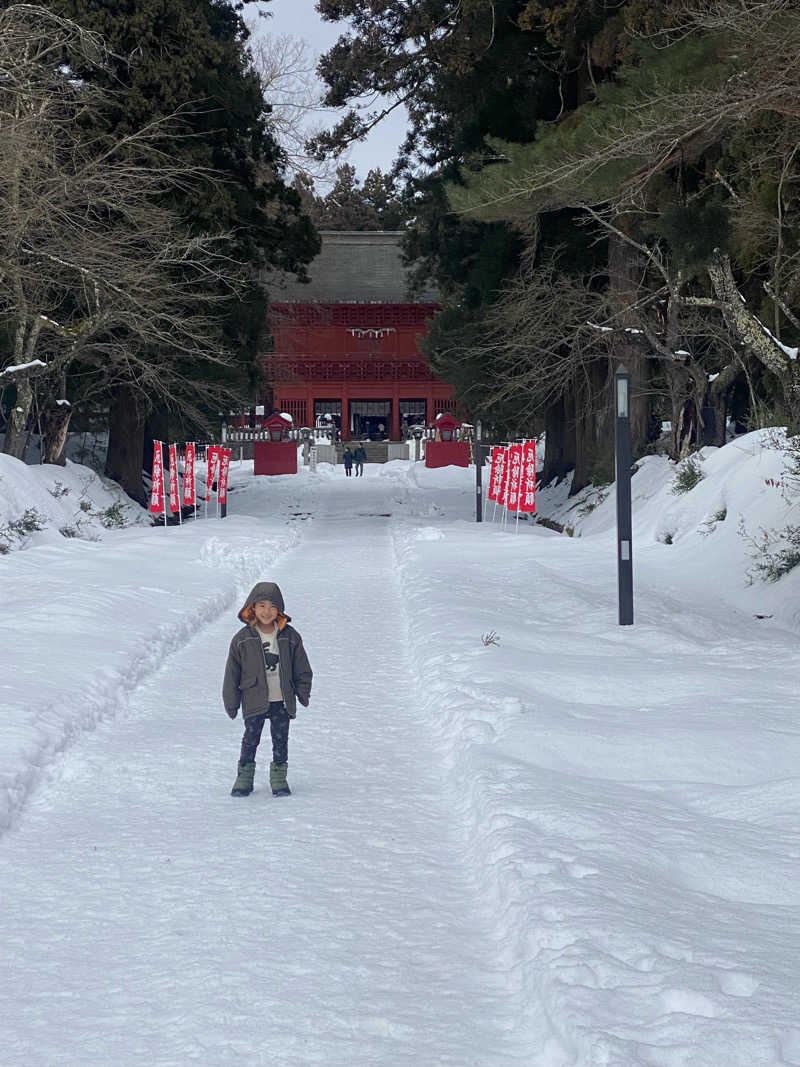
(575,847)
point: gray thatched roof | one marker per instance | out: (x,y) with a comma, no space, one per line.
(353,267)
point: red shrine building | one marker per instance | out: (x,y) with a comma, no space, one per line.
(346,345)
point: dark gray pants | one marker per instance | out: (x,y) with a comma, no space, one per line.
(279,729)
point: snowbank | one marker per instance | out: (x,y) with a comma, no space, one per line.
(82,622)
(43,504)
(631,794)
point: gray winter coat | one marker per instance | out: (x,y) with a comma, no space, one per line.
(245,680)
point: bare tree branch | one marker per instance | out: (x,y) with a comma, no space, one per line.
(95,266)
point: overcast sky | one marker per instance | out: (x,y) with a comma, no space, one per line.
(298,18)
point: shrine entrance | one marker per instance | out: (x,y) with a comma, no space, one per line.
(327,412)
(412,413)
(371,419)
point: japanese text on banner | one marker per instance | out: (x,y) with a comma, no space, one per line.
(212,453)
(188,475)
(514,477)
(528,489)
(174,494)
(157,489)
(500,480)
(495,476)
(224,467)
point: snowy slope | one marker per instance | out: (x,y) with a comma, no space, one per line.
(575,846)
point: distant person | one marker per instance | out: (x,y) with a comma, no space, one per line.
(347,459)
(360,458)
(267,673)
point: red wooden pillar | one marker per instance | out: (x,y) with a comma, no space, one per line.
(394,424)
(345,416)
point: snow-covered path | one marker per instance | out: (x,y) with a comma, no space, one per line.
(575,847)
(152,919)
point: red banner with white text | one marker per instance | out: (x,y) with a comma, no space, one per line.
(188,475)
(527,498)
(157,489)
(224,467)
(499,477)
(496,472)
(212,453)
(174,493)
(514,479)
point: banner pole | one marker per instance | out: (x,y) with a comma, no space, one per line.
(520,486)
(180,504)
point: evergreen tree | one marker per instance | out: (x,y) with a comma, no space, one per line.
(642,101)
(349,205)
(190,57)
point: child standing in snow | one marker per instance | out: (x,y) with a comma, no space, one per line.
(267,673)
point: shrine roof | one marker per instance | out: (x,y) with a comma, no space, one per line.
(353,267)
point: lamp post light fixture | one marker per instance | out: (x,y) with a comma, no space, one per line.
(622,384)
(478,448)
(305,435)
(417,432)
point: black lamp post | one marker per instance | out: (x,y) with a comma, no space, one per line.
(622,384)
(478,473)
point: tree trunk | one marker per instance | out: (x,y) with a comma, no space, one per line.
(54,422)
(594,430)
(559,438)
(156,428)
(678,380)
(624,271)
(126,442)
(55,426)
(17,424)
(750,330)
(583,455)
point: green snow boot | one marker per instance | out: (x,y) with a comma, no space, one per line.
(243,786)
(277,780)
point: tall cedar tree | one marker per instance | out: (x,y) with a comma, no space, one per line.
(190,56)
(689,161)
(375,205)
(467,71)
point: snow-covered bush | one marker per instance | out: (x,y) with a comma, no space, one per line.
(689,473)
(17,530)
(774,552)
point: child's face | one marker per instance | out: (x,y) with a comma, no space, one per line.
(266,613)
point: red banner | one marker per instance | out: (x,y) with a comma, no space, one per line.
(157,490)
(174,494)
(514,479)
(495,481)
(188,475)
(527,499)
(499,471)
(224,467)
(212,452)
